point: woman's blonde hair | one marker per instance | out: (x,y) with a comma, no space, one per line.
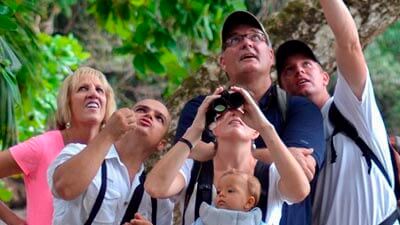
(63,113)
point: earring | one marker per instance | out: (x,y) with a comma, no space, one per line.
(253,145)
(68,125)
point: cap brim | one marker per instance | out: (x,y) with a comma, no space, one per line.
(291,48)
(240,18)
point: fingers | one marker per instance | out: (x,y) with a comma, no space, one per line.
(305,159)
(243,92)
(121,122)
(311,164)
(139,216)
(304,151)
(304,165)
(138,220)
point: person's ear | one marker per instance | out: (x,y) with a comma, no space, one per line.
(271,54)
(255,135)
(325,78)
(250,203)
(212,126)
(161,145)
(221,61)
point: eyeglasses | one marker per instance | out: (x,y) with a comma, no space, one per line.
(236,39)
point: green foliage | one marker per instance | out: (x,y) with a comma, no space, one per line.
(61,54)
(16,40)
(383,56)
(168,38)
(31,69)
(5,194)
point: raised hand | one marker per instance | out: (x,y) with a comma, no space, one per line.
(120,122)
(200,119)
(253,116)
(138,220)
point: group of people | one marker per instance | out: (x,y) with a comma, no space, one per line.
(277,158)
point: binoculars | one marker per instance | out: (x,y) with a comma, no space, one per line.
(225,102)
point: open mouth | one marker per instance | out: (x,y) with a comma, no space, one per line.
(248,56)
(302,82)
(92,105)
(235,121)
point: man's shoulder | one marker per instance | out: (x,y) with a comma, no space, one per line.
(194,102)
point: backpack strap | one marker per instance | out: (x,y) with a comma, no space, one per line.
(193,178)
(282,98)
(395,171)
(204,186)
(342,125)
(135,200)
(154,211)
(100,196)
(262,173)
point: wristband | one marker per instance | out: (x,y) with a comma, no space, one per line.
(187,142)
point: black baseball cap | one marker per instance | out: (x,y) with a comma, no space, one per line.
(241,18)
(291,48)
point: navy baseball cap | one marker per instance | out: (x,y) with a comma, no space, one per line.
(241,18)
(291,48)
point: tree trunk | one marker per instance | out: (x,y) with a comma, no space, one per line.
(299,19)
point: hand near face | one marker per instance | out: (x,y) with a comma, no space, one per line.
(138,220)
(200,119)
(253,116)
(120,122)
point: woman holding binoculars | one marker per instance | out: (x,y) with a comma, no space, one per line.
(234,129)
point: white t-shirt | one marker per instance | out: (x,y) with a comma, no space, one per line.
(346,193)
(274,205)
(118,194)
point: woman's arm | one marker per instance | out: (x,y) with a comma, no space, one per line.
(8,167)
(290,171)
(165,173)
(9,217)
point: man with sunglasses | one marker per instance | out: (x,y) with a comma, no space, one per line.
(247,57)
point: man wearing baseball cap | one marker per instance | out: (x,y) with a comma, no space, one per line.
(355,185)
(247,58)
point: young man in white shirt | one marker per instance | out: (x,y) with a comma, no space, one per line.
(351,188)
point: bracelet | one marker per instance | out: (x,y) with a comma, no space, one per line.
(187,142)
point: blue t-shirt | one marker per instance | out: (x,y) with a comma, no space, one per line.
(303,128)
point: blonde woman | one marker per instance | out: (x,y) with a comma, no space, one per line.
(84,98)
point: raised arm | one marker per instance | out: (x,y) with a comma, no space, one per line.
(166,173)
(291,174)
(86,163)
(349,55)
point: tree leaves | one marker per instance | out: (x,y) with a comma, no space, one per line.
(153,30)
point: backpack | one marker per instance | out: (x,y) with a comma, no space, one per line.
(342,125)
(203,174)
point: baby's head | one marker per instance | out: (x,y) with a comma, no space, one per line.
(237,191)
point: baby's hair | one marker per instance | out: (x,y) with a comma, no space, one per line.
(253,184)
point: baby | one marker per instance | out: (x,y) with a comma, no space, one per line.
(237,195)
